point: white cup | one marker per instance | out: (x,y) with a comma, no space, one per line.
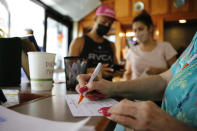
(41,66)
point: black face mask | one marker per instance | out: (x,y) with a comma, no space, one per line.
(102,30)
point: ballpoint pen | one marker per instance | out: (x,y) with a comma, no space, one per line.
(83,89)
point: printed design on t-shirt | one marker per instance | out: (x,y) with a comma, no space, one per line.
(101,57)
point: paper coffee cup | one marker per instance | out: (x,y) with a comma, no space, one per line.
(41,66)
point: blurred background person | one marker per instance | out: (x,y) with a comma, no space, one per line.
(148,56)
(94,47)
(29,31)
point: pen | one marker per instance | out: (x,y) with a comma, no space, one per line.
(95,73)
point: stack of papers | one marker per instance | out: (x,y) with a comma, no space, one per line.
(13,121)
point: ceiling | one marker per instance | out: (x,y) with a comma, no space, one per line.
(76,9)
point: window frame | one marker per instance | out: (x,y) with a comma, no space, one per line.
(63,19)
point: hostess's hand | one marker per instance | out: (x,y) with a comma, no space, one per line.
(107,71)
(119,72)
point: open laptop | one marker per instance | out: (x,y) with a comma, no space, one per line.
(28,44)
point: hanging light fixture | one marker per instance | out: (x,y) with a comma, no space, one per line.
(182,21)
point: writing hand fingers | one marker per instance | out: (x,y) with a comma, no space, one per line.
(83,79)
(77,88)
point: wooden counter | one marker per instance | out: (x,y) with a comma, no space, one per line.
(52,105)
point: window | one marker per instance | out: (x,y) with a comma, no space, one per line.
(4,19)
(57,41)
(22,16)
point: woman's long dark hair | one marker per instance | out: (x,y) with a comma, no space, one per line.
(145,18)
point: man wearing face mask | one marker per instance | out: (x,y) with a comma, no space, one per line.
(149,57)
(95,47)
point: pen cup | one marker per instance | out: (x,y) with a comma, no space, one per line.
(74,66)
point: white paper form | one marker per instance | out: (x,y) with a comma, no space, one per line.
(86,107)
(13,121)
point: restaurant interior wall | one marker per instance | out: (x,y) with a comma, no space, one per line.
(126,12)
(180,34)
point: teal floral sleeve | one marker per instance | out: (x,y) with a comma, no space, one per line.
(180,98)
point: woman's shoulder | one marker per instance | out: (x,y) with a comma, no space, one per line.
(164,45)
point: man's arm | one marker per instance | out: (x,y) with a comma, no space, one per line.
(151,87)
(115,61)
(76,47)
(128,72)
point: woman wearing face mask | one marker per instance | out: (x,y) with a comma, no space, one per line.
(95,47)
(149,57)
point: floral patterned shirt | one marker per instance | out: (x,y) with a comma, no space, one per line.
(180,98)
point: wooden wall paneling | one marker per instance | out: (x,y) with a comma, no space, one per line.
(184,8)
(122,8)
(108,2)
(160,27)
(90,16)
(123,45)
(146,6)
(177,16)
(155,23)
(80,29)
(159,7)
(125,20)
(193,5)
(118,40)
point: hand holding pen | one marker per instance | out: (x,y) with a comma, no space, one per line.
(85,88)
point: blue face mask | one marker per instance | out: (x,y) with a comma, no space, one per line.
(102,30)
